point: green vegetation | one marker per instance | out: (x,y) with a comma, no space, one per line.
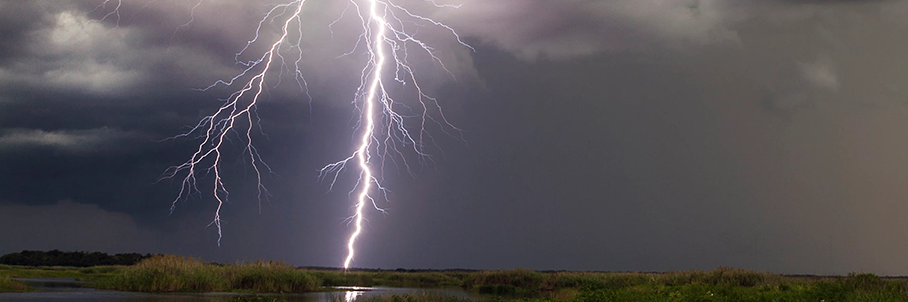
(9,285)
(56,264)
(823,292)
(721,285)
(7,272)
(423,298)
(173,273)
(391,278)
(85,274)
(179,274)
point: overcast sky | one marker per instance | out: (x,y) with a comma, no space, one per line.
(618,135)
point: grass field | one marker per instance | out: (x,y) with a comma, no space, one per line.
(181,274)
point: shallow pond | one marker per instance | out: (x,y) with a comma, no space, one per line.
(70,290)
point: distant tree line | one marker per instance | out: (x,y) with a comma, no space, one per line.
(78,259)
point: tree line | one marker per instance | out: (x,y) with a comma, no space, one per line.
(77,259)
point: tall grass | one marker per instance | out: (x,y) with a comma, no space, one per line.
(168,273)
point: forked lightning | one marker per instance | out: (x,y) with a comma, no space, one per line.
(383,129)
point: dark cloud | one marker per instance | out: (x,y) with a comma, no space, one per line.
(75,141)
(572,28)
(20,21)
(600,135)
(78,227)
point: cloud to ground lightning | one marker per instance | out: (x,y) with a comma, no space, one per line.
(387,129)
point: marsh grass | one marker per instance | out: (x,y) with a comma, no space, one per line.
(392,279)
(421,279)
(722,284)
(528,282)
(811,291)
(180,274)
(168,273)
(9,285)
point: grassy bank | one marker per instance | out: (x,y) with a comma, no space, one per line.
(8,272)
(9,285)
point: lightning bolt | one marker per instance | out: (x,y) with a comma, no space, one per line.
(362,154)
(380,45)
(384,127)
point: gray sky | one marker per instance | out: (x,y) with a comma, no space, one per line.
(598,135)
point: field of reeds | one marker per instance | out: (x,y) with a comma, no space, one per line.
(168,273)
(165,273)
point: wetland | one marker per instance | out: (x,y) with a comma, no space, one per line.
(172,278)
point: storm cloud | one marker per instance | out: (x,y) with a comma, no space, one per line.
(597,135)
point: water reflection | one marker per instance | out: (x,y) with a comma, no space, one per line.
(351,296)
(70,290)
(352,292)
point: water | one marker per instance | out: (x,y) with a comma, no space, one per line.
(70,290)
